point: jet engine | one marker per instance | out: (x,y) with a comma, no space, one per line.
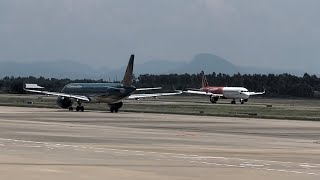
(214,99)
(64,102)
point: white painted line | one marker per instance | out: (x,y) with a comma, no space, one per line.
(242,163)
(99,151)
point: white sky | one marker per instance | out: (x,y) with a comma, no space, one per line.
(262,33)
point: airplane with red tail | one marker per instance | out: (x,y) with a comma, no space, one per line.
(215,93)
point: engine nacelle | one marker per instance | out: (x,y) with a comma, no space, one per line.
(64,102)
(214,99)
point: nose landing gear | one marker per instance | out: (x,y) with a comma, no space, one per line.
(241,101)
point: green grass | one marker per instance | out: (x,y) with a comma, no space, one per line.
(296,109)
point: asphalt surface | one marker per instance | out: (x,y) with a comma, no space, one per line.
(55,144)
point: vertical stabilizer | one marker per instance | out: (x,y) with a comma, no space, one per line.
(204,80)
(127,79)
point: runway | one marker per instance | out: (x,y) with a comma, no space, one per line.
(56,144)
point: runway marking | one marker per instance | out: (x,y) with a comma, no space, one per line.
(34,146)
(222,161)
(99,151)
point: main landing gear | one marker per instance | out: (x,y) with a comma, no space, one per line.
(78,108)
(241,101)
(233,101)
(115,107)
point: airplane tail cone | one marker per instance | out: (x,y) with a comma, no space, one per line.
(127,79)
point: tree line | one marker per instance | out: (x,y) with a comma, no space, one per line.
(276,85)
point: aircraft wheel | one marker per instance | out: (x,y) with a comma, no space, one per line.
(116,110)
(81,108)
(78,108)
(70,108)
(241,101)
(233,102)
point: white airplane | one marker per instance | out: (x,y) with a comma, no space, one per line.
(215,93)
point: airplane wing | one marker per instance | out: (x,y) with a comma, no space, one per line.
(138,96)
(33,86)
(256,93)
(83,98)
(193,89)
(146,89)
(202,93)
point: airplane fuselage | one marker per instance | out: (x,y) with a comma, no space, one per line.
(228,92)
(109,93)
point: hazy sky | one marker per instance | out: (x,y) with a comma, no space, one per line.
(270,33)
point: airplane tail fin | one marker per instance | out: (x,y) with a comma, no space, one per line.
(127,79)
(204,80)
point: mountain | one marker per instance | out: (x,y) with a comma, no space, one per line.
(208,63)
(201,62)
(69,69)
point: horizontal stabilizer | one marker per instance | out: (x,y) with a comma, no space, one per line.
(257,93)
(33,86)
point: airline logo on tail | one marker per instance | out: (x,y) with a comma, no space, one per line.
(204,80)
(127,79)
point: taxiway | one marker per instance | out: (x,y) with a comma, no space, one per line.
(38,143)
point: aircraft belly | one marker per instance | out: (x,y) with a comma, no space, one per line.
(107,99)
(231,95)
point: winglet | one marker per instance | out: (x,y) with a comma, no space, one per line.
(127,79)
(204,80)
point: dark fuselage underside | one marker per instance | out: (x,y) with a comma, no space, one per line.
(100,92)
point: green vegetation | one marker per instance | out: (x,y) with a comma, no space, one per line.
(282,85)
(295,109)
(302,109)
